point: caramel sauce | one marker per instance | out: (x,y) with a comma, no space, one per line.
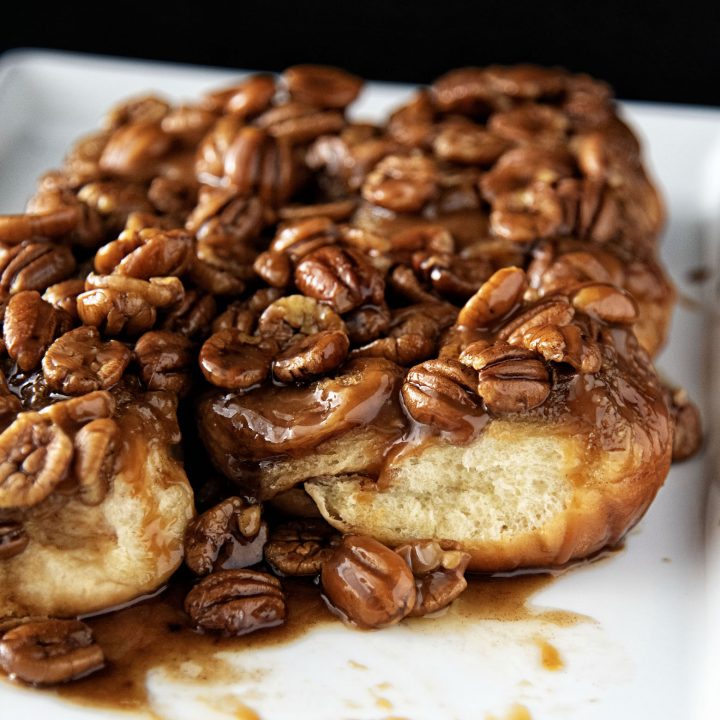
(550,657)
(154,633)
(515,712)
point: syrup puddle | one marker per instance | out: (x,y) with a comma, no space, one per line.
(493,637)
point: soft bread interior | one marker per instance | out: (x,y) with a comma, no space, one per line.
(521,494)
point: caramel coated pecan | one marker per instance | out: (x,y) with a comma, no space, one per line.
(367,584)
(442,393)
(539,125)
(322,86)
(54,223)
(134,149)
(552,310)
(247,98)
(236,602)
(401,184)
(306,357)
(165,359)
(300,547)
(63,295)
(300,237)
(34,265)
(35,456)
(235,360)
(439,574)
(29,327)
(97,447)
(341,278)
(605,302)
(297,314)
(193,316)
(564,344)
(146,254)
(230,535)
(122,305)
(510,379)
(495,299)
(79,362)
(258,164)
(47,652)
(298,123)
(468,144)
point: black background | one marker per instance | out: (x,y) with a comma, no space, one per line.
(667,52)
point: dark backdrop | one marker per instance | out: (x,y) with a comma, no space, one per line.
(649,51)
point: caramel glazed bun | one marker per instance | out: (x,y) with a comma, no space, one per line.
(94,505)
(540,433)
(435,327)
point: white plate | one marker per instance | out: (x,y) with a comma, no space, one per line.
(653,648)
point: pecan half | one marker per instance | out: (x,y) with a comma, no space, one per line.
(441,393)
(495,299)
(322,86)
(401,184)
(510,379)
(300,547)
(79,362)
(97,446)
(34,266)
(605,302)
(342,278)
(439,574)
(236,602)
(47,652)
(306,357)
(234,360)
(28,328)
(230,535)
(367,584)
(165,359)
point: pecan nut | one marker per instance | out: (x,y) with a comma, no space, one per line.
(236,602)
(35,456)
(234,360)
(401,184)
(441,393)
(53,223)
(229,536)
(495,299)
(605,302)
(439,574)
(366,584)
(564,345)
(300,547)
(325,87)
(34,265)
(297,315)
(79,362)
(306,357)
(29,327)
(510,379)
(47,652)
(343,279)
(97,448)
(165,359)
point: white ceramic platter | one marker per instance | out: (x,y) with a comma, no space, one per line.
(652,649)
